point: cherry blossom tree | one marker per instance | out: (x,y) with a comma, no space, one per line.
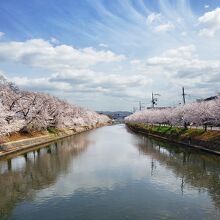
(205,113)
(27,111)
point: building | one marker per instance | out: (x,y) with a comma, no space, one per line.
(209,98)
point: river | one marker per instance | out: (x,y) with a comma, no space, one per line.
(110,173)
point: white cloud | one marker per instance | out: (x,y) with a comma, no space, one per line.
(158,23)
(181,53)
(1,34)
(154,17)
(210,22)
(41,53)
(206,6)
(103,45)
(85,81)
(41,84)
(164,27)
(68,69)
(54,40)
(179,66)
(135,62)
(182,66)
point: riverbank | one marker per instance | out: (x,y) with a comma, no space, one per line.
(22,143)
(200,139)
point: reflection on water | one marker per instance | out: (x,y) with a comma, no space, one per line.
(110,173)
(22,176)
(196,170)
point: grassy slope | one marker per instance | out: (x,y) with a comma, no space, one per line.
(50,131)
(21,136)
(181,133)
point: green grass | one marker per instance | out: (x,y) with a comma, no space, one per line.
(52,130)
(180,132)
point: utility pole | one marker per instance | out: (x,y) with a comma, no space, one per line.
(140,107)
(153,99)
(184,95)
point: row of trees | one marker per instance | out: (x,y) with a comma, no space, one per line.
(206,113)
(26,111)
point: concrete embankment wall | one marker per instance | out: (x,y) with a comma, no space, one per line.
(199,145)
(25,145)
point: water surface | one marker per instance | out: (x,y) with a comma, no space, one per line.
(110,173)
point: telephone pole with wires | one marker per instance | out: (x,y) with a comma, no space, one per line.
(184,95)
(154,99)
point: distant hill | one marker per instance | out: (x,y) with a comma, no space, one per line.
(118,115)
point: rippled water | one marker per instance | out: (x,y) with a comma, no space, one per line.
(110,173)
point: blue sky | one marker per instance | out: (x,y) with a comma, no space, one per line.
(110,54)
